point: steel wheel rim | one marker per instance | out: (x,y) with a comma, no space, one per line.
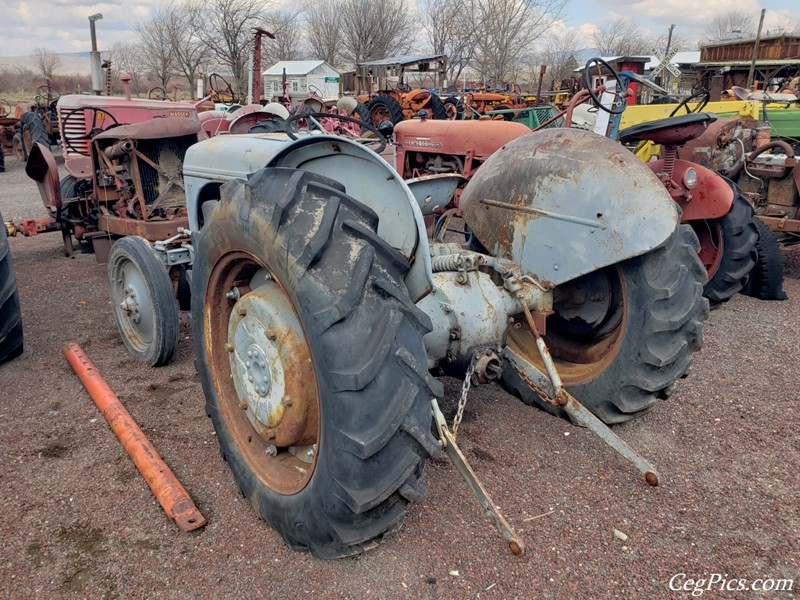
(582,360)
(709,232)
(279,439)
(133,305)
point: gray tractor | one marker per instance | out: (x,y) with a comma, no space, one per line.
(321,313)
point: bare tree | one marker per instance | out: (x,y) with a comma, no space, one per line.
(508,28)
(375,29)
(621,37)
(47,61)
(286,27)
(228,32)
(557,52)
(126,57)
(722,25)
(190,52)
(324,31)
(157,54)
(448,26)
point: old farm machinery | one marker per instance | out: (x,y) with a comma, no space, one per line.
(321,310)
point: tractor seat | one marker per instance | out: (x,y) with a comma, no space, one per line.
(671,131)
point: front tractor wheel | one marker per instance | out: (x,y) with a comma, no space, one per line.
(622,336)
(311,359)
(143,301)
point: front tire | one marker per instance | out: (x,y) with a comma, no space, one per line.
(622,336)
(321,296)
(143,301)
(10,313)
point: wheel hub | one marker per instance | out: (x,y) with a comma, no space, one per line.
(271,367)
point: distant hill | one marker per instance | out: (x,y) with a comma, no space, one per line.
(73,63)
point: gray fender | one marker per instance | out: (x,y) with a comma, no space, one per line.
(564,202)
(365,175)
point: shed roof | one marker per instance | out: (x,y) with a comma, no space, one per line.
(294,67)
(403,60)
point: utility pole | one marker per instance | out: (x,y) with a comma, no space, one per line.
(751,74)
(666,52)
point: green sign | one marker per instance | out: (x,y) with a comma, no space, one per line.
(331,80)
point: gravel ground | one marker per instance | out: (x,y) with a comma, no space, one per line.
(77,519)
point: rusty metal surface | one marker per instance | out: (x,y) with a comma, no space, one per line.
(564,202)
(41,167)
(152,129)
(150,230)
(490,507)
(711,198)
(255,420)
(169,492)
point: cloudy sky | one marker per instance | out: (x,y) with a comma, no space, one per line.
(62,25)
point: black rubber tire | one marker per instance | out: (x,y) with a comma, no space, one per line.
(458,106)
(739,237)
(365,338)
(665,310)
(362,112)
(10,312)
(388,103)
(766,278)
(438,110)
(137,252)
(33,127)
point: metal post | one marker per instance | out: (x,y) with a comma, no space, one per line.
(751,74)
(94,56)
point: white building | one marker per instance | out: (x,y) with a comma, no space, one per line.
(303,77)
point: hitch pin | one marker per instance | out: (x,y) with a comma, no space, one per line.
(582,415)
(490,509)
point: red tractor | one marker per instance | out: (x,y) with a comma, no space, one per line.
(124,162)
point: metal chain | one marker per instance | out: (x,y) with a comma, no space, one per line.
(462,402)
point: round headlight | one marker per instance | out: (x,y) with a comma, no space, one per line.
(690,178)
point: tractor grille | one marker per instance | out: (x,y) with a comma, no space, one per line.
(168,154)
(74,128)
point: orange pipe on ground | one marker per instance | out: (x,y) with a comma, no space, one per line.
(169,492)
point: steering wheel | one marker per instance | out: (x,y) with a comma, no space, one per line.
(403,87)
(315,90)
(5,109)
(95,112)
(587,82)
(704,94)
(212,83)
(311,120)
(157,93)
(49,94)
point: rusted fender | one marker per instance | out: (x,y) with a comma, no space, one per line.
(41,167)
(564,202)
(711,198)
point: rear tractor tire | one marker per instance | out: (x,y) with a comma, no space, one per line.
(10,313)
(143,301)
(766,278)
(622,336)
(311,359)
(385,108)
(33,131)
(728,249)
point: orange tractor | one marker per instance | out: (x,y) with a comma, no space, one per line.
(403,103)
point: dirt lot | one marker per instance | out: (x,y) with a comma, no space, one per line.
(77,519)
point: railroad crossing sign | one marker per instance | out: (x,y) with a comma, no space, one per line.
(666,63)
